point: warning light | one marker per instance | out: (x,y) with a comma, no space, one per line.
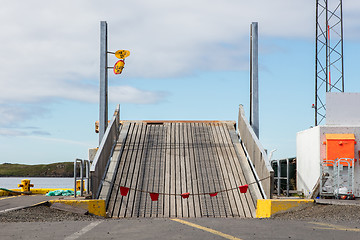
(119,66)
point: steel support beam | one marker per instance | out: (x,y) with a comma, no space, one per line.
(103,111)
(254,78)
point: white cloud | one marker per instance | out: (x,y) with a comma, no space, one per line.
(50,50)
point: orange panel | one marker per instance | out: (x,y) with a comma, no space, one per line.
(340,146)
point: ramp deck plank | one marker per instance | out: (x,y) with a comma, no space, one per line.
(176,157)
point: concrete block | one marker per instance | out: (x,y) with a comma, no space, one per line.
(267,207)
(96,207)
(68,208)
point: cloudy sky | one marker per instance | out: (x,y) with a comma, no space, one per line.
(189,60)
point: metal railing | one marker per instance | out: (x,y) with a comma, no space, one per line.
(337,177)
(279,176)
(104,153)
(256,154)
(84,164)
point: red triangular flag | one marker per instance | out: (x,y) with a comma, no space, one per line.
(243,188)
(185,195)
(124,191)
(154,196)
(213,194)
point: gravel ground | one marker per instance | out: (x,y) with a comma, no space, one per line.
(43,214)
(316,212)
(323,213)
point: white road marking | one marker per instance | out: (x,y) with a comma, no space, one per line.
(12,209)
(82,231)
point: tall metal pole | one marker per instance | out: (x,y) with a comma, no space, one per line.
(254,78)
(103,111)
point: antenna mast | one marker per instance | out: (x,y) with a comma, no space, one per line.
(329,61)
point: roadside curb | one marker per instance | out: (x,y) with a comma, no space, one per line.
(267,207)
(40,191)
(93,206)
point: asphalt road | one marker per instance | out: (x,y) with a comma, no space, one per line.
(200,228)
(17,202)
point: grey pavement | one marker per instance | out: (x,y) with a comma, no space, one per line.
(155,229)
(18,202)
(338,202)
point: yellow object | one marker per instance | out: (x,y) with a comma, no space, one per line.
(267,207)
(25,185)
(97,127)
(78,182)
(40,191)
(119,66)
(96,207)
(122,54)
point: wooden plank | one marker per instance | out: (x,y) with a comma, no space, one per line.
(188,175)
(229,170)
(136,170)
(204,202)
(229,195)
(162,166)
(242,206)
(123,133)
(218,180)
(129,172)
(143,198)
(183,179)
(210,168)
(120,201)
(138,196)
(154,180)
(104,193)
(167,170)
(149,173)
(172,172)
(178,171)
(115,208)
(194,177)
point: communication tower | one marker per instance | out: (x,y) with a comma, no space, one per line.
(329,61)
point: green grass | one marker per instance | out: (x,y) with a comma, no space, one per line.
(62,169)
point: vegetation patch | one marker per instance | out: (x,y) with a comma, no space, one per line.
(62,169)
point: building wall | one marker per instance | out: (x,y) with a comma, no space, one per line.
(342,109)
(307,159)
(310,150)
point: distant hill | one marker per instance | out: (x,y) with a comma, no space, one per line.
(62,169)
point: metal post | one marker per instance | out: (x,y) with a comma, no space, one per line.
(81,178)
(287,177)
(279,176)
(75,176)
(254,79)
(103,118)
(87,165)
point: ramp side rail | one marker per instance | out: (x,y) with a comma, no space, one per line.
(84,164)
(256,153)
(104,153)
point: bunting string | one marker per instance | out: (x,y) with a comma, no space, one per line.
(155,195)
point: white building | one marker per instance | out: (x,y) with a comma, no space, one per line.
(342,117)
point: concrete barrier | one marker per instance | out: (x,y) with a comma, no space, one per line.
(267,207)
(96,207)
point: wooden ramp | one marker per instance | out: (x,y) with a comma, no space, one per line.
(175,157)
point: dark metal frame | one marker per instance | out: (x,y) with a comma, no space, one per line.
(329,61)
